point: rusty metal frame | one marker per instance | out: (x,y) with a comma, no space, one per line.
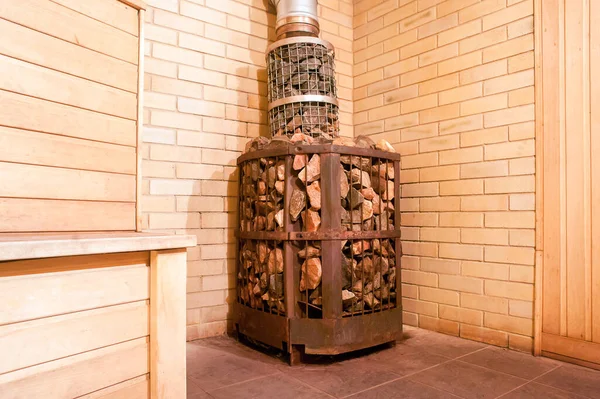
(332,333)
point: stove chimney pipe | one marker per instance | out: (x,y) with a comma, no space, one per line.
(296,18)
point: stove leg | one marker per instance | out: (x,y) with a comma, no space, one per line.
(296,354)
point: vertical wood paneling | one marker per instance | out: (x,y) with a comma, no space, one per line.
(571,199)
(574,169)
(551,107)
(595,167)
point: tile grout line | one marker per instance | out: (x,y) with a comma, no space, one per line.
(528,382)
(416,372)
(245,381)
(560,389)
(310,386)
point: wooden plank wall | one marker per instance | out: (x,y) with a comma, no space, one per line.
(68,115)
(570,62)
(71,327)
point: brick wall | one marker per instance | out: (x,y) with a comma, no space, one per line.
(205,97)
(450,84)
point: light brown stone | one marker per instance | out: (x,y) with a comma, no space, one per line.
(384,145)
(311,220)
(279,217)
(344,185)
(360,178)
(311,274)
(275,262)
(312,170)
(299,161)
(314,195)
(297,203)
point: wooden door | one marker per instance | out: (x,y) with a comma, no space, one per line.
(569,137)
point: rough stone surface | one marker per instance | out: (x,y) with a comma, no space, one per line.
(299,162)
(311,274)
(344,184)
(384,145)
(360,178)
(297,203)
(312,170)
(311,220)
(314,195)
(275,262)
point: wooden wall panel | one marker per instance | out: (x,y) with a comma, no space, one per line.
(38,48)
(34,296)
(45,116)
(32,215)
(595,168)
(571,202)
(78,375)
(44,83)
(26,344)
(58,21)
(34,148)
(32,181)
(136,388)
(70,69)
(114,13)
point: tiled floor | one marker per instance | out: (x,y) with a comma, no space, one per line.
(424,365)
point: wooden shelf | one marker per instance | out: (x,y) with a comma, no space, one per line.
(47,245)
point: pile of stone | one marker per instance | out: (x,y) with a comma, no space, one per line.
(368,274)
(260,278)
(299,69)
(317,119)
(367,203)
(261,200)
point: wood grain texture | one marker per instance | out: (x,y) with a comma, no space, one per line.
(78,375)
(552,122)
(570,201)
(44,182)
(113,13)
(140,124)
(58,21)
(45,245)
(55,264)
(574,348)
(34,296)
(38,341)
(136,388)
(30,113)
(37,215)
(41,49)
(34,148)
(167,327)
(32,80)
(595,170)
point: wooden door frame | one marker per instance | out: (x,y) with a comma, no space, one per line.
(539,176)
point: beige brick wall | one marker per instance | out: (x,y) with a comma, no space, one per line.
(450,84)
(205,97)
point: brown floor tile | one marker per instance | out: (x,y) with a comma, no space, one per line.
(440,344)
(467,380)
(404,360)
(344,378)
(403,389)
(195,392)
(538,391)
(276,386)
(574,379)
(511,362)
(211,371)
(226,344)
